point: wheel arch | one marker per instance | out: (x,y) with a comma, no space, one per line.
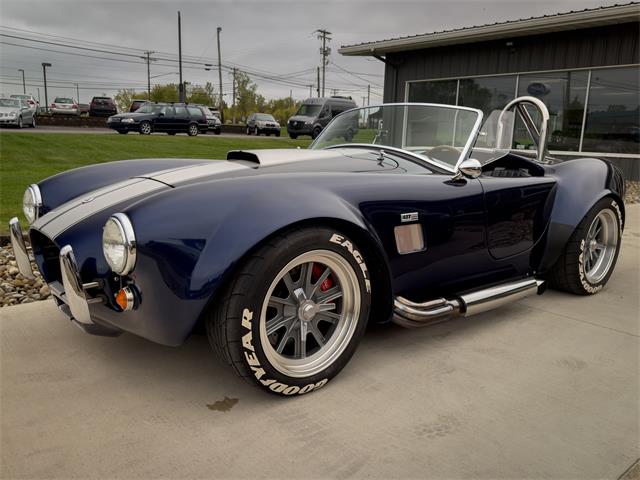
(371,250)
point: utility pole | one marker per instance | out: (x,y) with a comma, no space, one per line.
(44,74)
(38,95)
(318,84)
(291,96)
(324,51)
(181,85)
(233,119)
(24,86)
(147,58)
(220,76)
(368,95)
(363,99)
(310,91)
(78,92)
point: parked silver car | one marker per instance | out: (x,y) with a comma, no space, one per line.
(30,99)
(16,112)
(65,106)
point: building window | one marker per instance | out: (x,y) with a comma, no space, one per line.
(440,91)
(564,94)
(613,114)
(487,93)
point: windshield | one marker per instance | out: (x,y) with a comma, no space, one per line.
(7,102)
(149,109)
(309,110)
(265,117)
(62,100)
(23,97)
(440,133)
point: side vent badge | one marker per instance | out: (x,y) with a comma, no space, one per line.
(409,217)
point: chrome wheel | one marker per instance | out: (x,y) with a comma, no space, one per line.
(600,248)
(193,130)
(310,313)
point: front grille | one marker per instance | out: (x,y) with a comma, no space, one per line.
(47,255)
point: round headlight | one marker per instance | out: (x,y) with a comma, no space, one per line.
(119,244)
(31,203)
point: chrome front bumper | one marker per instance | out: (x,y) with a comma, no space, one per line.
(71,294)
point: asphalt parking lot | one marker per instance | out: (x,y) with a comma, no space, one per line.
(547,387)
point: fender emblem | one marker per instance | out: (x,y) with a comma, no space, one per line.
(409,217)
(88,199)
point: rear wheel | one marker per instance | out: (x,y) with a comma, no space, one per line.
(145,128)
(192,130)
(248,130)
(590,256)
(293,315)
(33,121)
(123,132)
(293,136)
(277,133)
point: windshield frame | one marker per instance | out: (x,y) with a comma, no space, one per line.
(463,155)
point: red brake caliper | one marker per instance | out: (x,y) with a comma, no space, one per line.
(316,271)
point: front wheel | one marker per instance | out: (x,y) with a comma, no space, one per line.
(193,130)
(123,132)
(316,131)
(33,121)
(145,128)
(20,123)
(591,253)
(293,136)
(293,315)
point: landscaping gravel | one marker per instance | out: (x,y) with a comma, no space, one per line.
(15,289)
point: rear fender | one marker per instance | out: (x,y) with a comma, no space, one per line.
(581,183)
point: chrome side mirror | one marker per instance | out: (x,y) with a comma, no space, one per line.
(470,168)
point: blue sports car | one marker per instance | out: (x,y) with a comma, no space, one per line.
(411,213)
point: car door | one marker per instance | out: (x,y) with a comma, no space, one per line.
(165,120)
(181,118)
(518,210)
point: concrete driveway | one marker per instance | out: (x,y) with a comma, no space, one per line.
(545,388)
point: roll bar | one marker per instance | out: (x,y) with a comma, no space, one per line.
(539,136)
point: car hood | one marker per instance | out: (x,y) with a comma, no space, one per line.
(273,161)
(8,110)
(133,115)
(239,163)
(301,118)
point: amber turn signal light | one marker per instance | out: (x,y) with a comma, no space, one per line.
(125,299)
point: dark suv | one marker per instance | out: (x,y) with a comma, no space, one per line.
(171,118)
(102,107)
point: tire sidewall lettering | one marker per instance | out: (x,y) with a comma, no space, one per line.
(344,242)
(259,373)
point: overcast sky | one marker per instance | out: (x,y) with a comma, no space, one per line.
(275,38)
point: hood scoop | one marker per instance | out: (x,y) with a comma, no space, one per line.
(279,156)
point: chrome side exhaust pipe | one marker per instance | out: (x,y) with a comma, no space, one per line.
(411,314)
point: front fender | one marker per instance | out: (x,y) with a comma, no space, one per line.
(195,235)
(581,183)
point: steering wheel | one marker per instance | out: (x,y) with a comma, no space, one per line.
(445,153)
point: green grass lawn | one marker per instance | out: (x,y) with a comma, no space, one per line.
(27,158)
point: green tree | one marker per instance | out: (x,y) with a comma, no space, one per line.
(124,98)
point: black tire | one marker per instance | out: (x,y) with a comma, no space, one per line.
(316,131)
(145,128)
(193,130)
(33,121)
(20,124)
(569,274)
(234,322)
(248,130)
(256,131)
(123,132)
(171,133)
(277,134)
(217,132)
(293,136)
